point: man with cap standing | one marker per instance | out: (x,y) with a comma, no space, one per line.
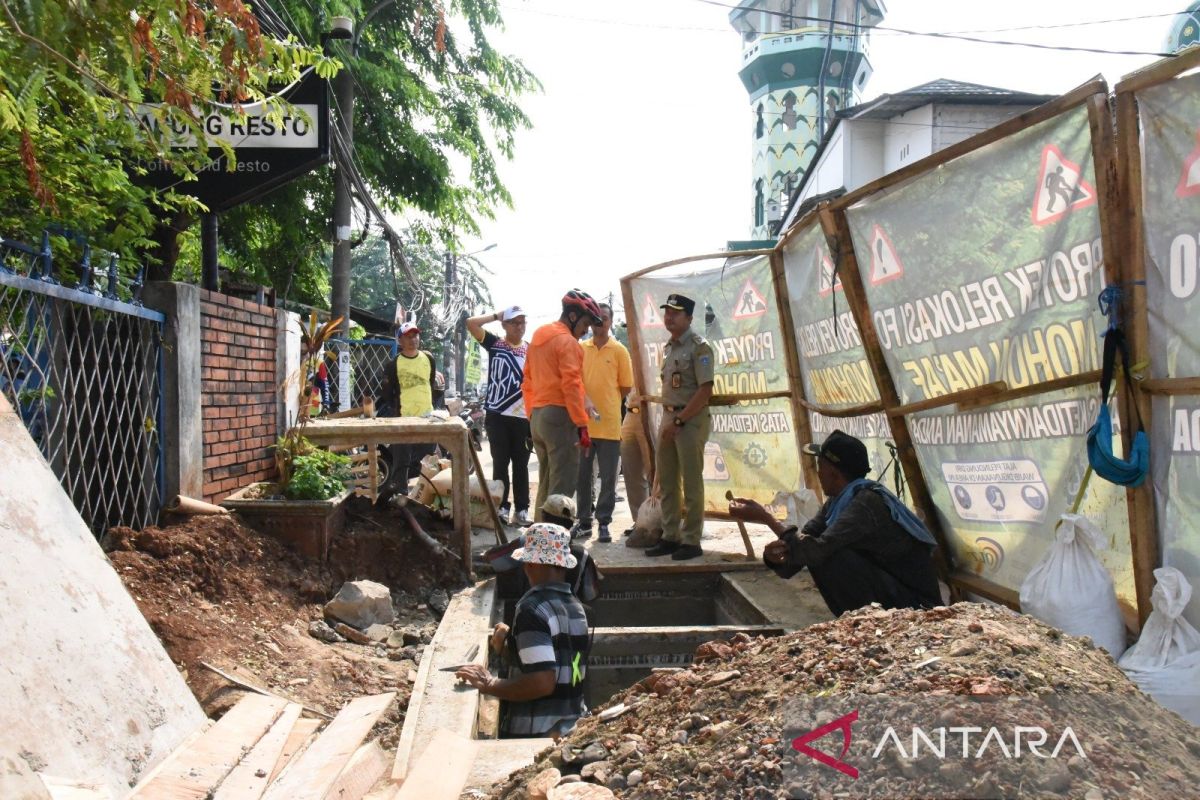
(687,384)
(864,546)
(547,646)
(506,425)
(411,389)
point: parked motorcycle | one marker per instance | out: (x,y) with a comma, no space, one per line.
(472,414)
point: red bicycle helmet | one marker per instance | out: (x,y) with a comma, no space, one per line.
(576,300)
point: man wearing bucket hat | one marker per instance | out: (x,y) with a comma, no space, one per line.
(547,646)
(863,547)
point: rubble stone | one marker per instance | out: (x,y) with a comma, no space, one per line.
(320,630)
(361,604)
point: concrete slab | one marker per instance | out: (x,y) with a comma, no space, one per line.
(87,690)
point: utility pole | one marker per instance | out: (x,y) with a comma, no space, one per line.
(339,299)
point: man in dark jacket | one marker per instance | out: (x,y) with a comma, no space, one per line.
(863,547)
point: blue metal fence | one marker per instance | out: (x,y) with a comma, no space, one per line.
(81,362)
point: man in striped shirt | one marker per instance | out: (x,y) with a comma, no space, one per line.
(547,646)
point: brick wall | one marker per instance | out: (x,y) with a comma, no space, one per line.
(238,386)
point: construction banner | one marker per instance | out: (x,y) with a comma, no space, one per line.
(833,363)
(752,450)
(1170,116)
(988,269)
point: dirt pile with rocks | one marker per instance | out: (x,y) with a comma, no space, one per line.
(808,715)
(217,592)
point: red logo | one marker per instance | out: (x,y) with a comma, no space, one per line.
(800,744)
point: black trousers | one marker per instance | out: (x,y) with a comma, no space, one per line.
(848,580)
(508,440)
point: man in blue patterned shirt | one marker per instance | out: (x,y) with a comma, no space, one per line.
(547,647)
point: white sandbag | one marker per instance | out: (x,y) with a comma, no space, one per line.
(481,515)
(799,506)
(649,516)
(1070,589)
(1165,660)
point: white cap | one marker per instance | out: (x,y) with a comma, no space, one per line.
(511,313)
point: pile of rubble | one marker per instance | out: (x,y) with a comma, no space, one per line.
(808,715)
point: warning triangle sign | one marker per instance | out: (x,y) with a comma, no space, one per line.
(1060,188)
(750,302)
(885,264)
(650,316)
(1189,181)
(826,282)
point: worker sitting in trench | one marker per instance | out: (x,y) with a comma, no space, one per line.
(547,646)
(863,547)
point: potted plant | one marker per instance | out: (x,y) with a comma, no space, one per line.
(304,506)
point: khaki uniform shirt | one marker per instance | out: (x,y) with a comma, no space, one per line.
(687,365)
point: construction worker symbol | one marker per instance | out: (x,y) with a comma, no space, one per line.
(714,463)
(750,302)
(1060,189)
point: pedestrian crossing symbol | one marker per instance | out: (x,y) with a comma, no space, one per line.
(1060,188)
(1189,180)
(650,316)
(827,282)
(750,302)
(885,264)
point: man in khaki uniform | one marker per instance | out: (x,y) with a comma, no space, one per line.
(687,384)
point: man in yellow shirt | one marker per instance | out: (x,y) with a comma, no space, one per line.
(607,378)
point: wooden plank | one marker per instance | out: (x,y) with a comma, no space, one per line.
(801,424)
(298,739)
(313,773)
(460,499)
(1034,116)
(1169,386)
(1143,526)
(734,254)
(195,771)
(993,591)
(487,713)
(487,496)
(841,412)
(964,396)
(373,469)
(1158,72)
(250,778)
(1082,379)
(368,764)
(441,771)
(64,789)
(837,233)
(639,375)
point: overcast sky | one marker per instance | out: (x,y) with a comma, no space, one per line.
(640,146)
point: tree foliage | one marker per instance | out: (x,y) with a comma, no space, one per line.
(435,109)
(91,90)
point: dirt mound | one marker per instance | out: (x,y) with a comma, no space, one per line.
(216,591)
(809,715)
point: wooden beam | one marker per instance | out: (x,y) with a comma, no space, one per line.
(312,774)
(1158,72)
(966,395)
(1169,386)
(193,772)
(983,587)
(441,771)
(298,738)
(639,375)
(689,259)
(487,713)
(842,412)
(1046,111)
(1126,218)
(837,232)
(368,764)
(801,424)
(460,499)
(249,779)
(731,399)
(1082,379)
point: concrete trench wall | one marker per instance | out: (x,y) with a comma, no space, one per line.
(86,690)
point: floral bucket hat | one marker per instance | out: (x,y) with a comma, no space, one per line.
(544,543)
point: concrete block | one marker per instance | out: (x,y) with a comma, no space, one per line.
(183,432)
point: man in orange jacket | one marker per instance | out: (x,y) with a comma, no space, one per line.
(554,396)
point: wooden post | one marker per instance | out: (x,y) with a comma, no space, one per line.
(460,497)
(837,232)
(1126,241)
(801,425)
(639,376)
